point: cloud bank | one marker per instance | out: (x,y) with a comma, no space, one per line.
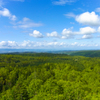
(50,45)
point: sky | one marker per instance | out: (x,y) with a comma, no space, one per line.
(50,24)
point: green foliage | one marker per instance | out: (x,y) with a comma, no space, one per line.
(87,53)
(30,76)
(34,87)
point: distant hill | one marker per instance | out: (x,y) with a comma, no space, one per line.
(86,53)
(23,50)
(68,52)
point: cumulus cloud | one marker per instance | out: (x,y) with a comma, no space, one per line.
(86,30)
(27,44)
(98,29)
(6,13)
(8,44)
(88,18)
(53,34)
(26,23)
(36,34)
(67,33)
(62,2)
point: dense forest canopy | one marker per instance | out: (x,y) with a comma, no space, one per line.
(45,76)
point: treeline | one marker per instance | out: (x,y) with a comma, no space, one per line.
(43,76)
(87,53)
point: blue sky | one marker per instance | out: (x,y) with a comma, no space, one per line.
(50,24)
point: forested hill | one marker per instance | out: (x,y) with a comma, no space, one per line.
(43,76)
(88,53)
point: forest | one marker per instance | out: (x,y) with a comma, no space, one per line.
(86,53)
(47,76)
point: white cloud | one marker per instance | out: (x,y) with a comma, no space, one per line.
(8,44)
(53,34)
(88,19)
(64,37)
(62,2)
(98,29)
(87,37)
(70,15)
(13,17)
(36,34)
(6,13)
(86,30)
(12,44)
(26,23)
(67,37)
(27,44)
(67,33)
(31,45)
(3,43)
